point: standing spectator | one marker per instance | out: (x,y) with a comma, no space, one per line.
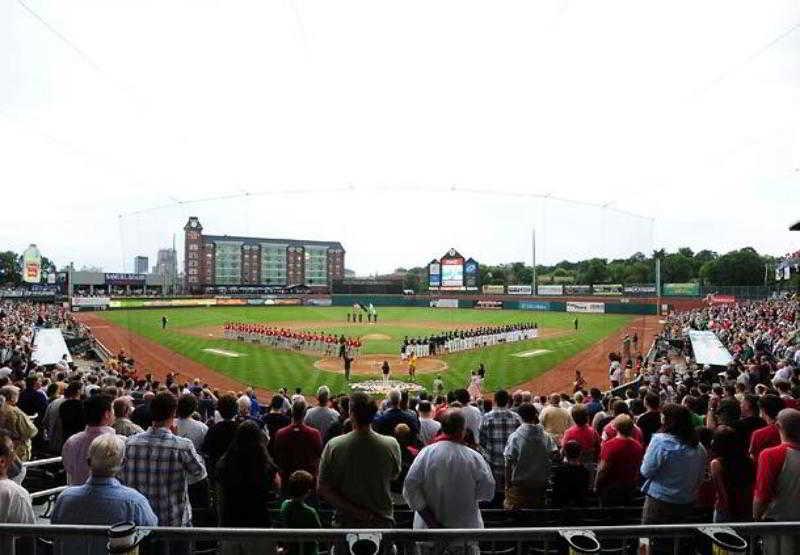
(609,430)
(769,435)
(750,421)
(220,435)
(386,422)
(733,477)
(246,482)
(356,470)
(70,415)
(162,465)
(75,454)
(102,500)
(777,487)
(448,480)
(15,501)
(428,427)
(582,433)
(497,426)
(673,469)
(141,415)
(186,425)
(618,472)
(472,414)
(16,422)
(596,404)
(528,458)
(122,423)
(33,402)
(571,478)
(322,416)
(295,513)
(297,446)
(555,419)
(650,422)
(274,420)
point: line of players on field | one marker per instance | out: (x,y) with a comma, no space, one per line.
(464,340)
(293,340)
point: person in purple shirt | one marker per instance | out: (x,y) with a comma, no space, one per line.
(99,418)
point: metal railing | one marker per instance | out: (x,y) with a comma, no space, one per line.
(751,538)
(41,462)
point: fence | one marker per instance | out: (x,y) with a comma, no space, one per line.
(752,538)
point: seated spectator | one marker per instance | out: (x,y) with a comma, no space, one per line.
(322,417)
(733,476)
(15,501)
(295,513)
(570,478)
(186,425)
(448,480)
(99,418)
(428,427)
(617,479)
(582,433)
(528,454)
(122,423)
(16,422)
(297,446)
(102,500)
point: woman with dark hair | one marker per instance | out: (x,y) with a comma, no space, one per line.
(733,474)
(673,469)
(246,482)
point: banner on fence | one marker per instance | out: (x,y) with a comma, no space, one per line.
(493,289)
(550,290)
(708,349)
(255,302)
(534,305)
(160,303)
(607,289)
(720,299)
(282,302)
(489,304)
(230,302)
(121,279)
(90,302)
(640,289)
(444,303)
(681,290)
(586,307)
(519,289)
(577,289)
(324,301)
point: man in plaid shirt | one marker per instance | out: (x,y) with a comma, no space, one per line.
(161,465)
(496,427)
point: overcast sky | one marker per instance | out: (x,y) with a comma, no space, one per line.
(400,129)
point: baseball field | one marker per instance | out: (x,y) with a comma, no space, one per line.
(193,344)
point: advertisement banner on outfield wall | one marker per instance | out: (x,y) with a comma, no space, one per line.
(640,289)
(160,303)
(497,305)
(534,305)
(550,289)
(597,308)
(325,301)
(255,302)
(444,303)
(493,289)
(282,302)
(520,290)
(231,302)
(91,302)
(681,290)
(577,289)
(607,289)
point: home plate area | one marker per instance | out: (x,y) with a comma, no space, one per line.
(531,353)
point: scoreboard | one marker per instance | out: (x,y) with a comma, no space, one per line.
(453,272)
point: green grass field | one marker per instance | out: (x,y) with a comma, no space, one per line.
(268,368)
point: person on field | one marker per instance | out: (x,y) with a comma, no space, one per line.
(385,370)
(164,322)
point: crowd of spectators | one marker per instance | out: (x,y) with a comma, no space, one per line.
(691,442)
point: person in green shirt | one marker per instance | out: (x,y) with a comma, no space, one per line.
(295,513)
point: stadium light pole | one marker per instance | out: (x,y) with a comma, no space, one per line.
(533,258)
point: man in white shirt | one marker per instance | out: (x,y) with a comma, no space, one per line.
(448,480)
(472,414)
(428,427)
(782,374)
(185,425)
(15,501)
(322,417)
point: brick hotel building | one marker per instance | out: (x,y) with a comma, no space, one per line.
(227,261)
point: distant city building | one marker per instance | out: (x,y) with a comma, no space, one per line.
(167,266)
(140,265)
(222,260)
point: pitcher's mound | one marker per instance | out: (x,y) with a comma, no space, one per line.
(375,337)
(371,365)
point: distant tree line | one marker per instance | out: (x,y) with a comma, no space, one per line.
(11,268)
(739,267)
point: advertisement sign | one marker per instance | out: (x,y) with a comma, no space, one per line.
(520,290)
(31,265)
(493,289)
(596,308)
(91,302)
(577,289)
(255,302)
(681,290)
(640,289)
(125,279)
(160,303)
(452,272)
(534,305)
(325,301)
(230,302)
(434,274)
(550,289)
(708,349)
(607,289)
(471,273)
(444,303)
(282,302)
(721,299)
(496,305)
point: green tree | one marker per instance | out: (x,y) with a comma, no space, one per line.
(676,268)
(10,268)
(593,271)
(742,267)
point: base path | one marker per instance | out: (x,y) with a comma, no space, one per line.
(370,365)
(593,362)
(151,357)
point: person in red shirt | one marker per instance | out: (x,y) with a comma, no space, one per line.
(768,436)
(610,430)
(777,487)
(617,479)
(297,446)
(584,434)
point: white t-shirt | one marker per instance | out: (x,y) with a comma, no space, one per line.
(15,504)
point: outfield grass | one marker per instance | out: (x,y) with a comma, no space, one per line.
(268,368)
